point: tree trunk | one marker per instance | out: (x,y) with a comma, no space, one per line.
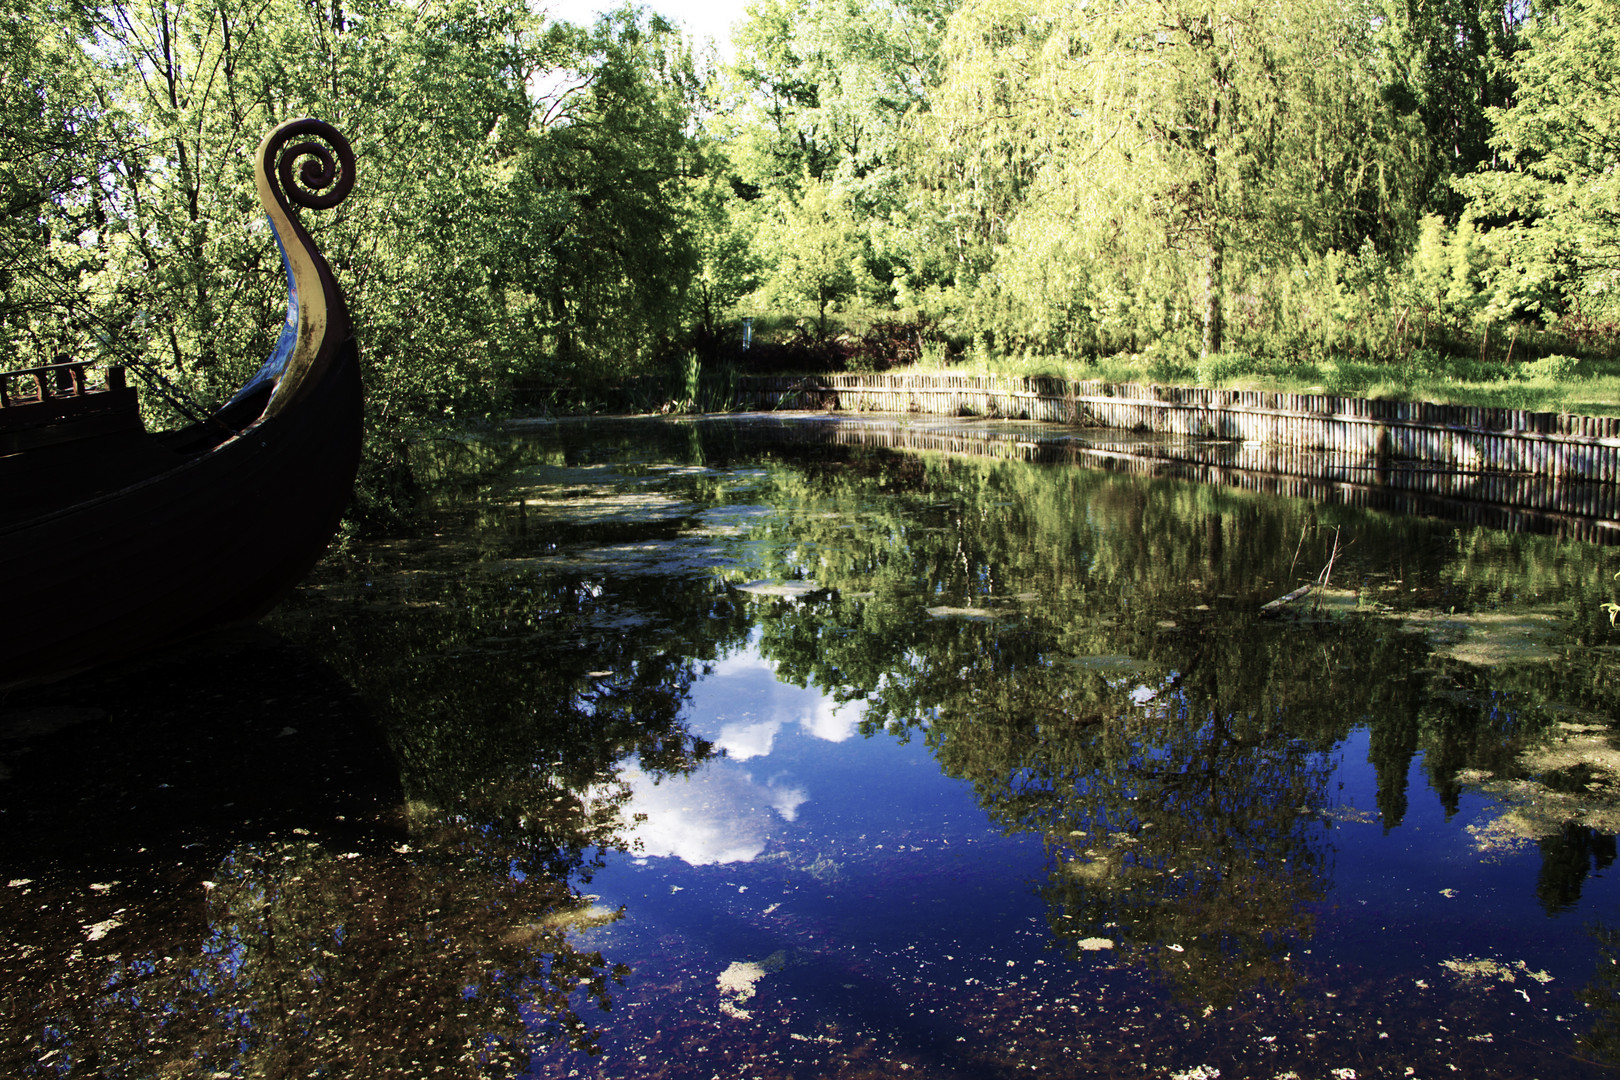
(1213,330)
(1212,198)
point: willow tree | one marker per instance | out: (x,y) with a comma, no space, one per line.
(1131,155)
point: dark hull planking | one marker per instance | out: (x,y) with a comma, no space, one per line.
(221,538)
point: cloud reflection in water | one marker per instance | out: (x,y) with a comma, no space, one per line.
(721,813)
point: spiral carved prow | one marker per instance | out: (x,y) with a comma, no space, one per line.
(325,173)
(307,163)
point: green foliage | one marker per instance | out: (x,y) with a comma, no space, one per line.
(522,207)
(824,89)
(1441,62)
(1556,207)
(1275,178)
(1552,367)
(1121,185)
(827,92)
(555,206)
(814,250)
(603,191)
(51,214)
(725,229)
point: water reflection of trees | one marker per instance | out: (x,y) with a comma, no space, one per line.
(1075,645)
(1601,995)
(229,886)
(516,674)
(1017,617)
(513,683)
(1081,648)
(510,693)
(1184,801)
(315,962)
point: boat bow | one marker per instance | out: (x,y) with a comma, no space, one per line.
(309,163)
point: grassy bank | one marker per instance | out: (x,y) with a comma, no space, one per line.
(1549,384)
(1545,373)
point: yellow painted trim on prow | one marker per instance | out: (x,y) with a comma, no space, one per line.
(311,314)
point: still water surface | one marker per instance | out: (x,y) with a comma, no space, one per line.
(696,749)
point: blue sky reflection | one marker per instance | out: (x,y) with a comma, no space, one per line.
(727,811)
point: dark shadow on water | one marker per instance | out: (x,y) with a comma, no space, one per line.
(208,867)
(181,758)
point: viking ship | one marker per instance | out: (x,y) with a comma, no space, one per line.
(115,540)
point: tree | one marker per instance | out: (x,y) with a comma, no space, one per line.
(604,243)
(816,249)
(827,90)
(725,228)
(1557,206)
(494,230)
(773,94)
(1443,61)
(51,219)
(1157,149)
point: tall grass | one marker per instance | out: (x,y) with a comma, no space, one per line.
(687,386)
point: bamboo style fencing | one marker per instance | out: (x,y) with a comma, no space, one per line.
(1457,438)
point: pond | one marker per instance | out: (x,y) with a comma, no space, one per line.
(733,747)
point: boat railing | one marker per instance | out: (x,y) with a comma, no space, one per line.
(62,379)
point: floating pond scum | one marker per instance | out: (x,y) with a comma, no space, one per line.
(870,748)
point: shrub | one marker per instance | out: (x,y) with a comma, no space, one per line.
(1552,367)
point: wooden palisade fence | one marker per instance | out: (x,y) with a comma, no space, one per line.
(1456,438)
(1577,509)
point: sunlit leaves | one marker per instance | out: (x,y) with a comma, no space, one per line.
(1117,168)
(1557,208)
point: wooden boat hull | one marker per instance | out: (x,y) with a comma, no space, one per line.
(155,538)
(222,538)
